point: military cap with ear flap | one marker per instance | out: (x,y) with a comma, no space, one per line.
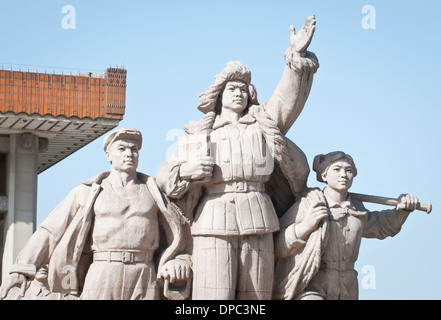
(125,133)
(235,70)
(322,162)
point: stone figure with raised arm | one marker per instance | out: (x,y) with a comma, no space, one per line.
(108,237)
(320,235)
(236,172)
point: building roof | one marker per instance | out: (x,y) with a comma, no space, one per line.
(66,111)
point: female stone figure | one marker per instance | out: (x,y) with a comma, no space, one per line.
(320,235)
(226,192)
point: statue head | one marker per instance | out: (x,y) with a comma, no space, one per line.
(124,133)
(122,149)
(235,71)
(337,169)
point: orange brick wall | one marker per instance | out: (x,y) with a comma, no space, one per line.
(67,95)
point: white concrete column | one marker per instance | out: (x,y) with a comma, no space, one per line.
(20,221)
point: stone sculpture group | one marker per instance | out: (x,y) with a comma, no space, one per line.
(229,215)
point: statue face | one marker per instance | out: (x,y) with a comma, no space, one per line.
(123,155)
(339,175)
(235,96)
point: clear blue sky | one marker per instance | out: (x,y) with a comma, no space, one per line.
(376,96)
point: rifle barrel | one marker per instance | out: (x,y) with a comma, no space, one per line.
(427,207)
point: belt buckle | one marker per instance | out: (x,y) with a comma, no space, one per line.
(241,186)
(127,257)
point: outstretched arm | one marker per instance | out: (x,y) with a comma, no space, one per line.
(387,223)
(290,96)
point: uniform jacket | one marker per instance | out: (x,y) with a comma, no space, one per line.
(283,181)
(333,247)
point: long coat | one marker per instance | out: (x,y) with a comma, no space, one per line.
(62,240)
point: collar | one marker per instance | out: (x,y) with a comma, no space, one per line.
(339,210)
(219,122)
(39,289)
(344,204)
(103,175)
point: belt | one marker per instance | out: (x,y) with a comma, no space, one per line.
(235,186)
(338,265)
(126,257)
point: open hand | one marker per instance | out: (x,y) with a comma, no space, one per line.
(300,41)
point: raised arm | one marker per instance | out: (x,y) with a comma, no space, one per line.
(289,98)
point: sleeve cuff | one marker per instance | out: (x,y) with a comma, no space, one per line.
(287,244)
(176,186)
(28,270)
(294,243)
(185,257)
(308,63)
